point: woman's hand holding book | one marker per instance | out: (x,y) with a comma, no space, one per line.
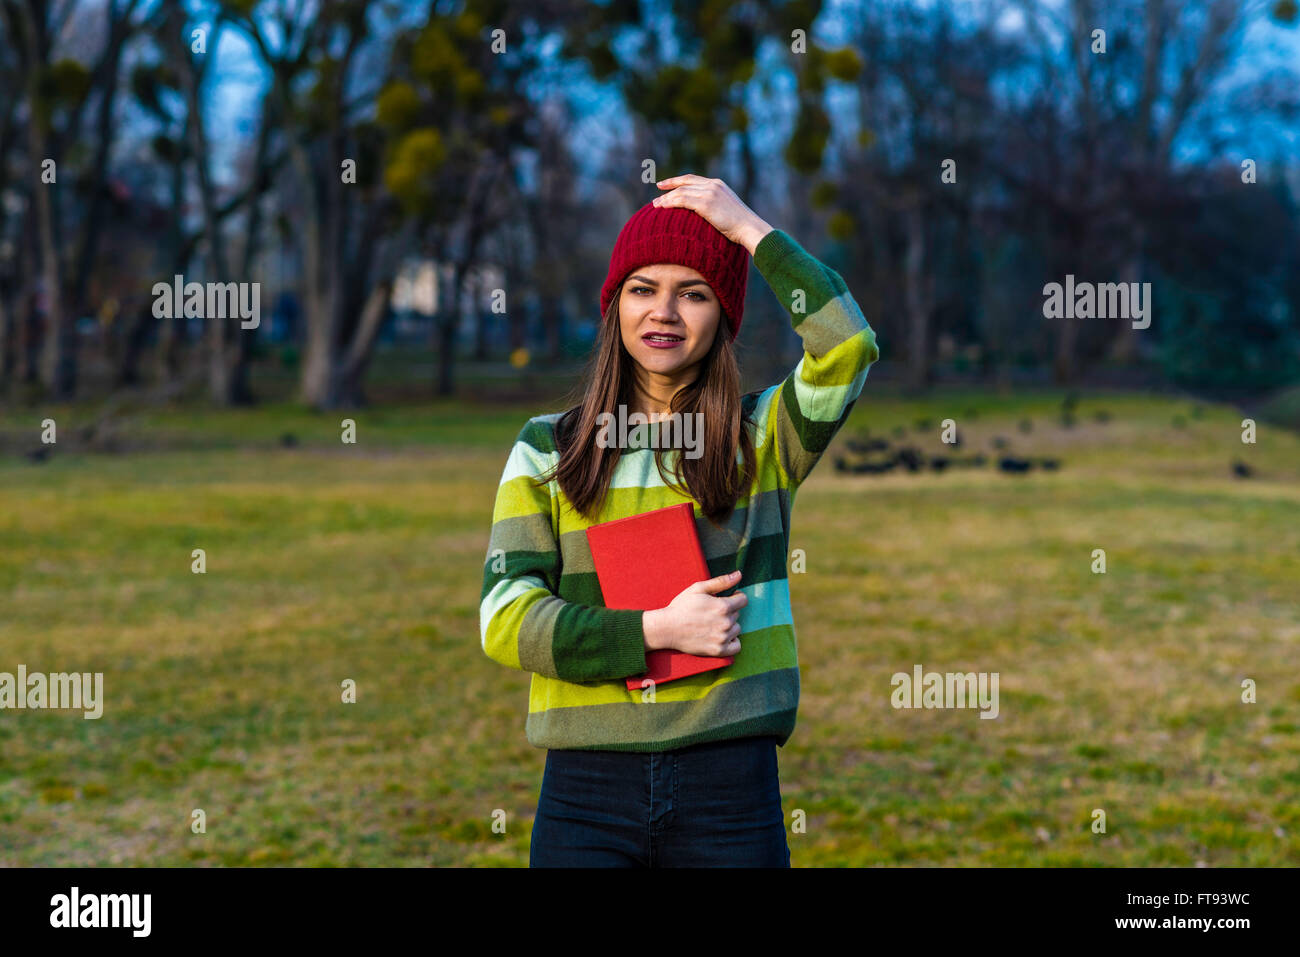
(698,621)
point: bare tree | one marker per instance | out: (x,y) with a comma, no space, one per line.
(1113,154)
(34,25)
(347,269)
(57,88)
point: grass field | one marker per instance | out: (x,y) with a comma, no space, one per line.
(1119,691)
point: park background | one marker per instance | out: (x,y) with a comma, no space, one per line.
(428,206)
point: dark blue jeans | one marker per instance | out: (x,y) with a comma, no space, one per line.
(708,805)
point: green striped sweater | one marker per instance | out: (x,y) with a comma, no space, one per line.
(541,609)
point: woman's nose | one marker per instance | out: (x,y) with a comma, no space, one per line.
(664,307)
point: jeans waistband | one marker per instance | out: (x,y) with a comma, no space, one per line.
(727,744)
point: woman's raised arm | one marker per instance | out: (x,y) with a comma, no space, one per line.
(803,413)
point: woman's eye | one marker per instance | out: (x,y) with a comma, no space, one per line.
(699,295)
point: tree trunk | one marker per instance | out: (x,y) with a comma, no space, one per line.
(917,289)
(448,326)
(1063,367)
(171,337)
(58,354)
(227,356)
(118,30)
(482,320)
(134,338)
(446,363)
(362,346)
(1124,349)
(749,176)
(57,362)
(318,388)
(240,350)
(1076,245)
(27,349)
(6,345)
(552,326)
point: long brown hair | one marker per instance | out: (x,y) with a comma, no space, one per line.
(585,469)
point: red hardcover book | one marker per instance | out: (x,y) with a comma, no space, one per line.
(645,561)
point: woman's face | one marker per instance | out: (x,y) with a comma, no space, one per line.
(668,317)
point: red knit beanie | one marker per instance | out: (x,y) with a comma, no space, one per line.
(681,236)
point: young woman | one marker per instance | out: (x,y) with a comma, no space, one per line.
(686,776)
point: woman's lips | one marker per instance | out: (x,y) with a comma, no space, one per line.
(670,342)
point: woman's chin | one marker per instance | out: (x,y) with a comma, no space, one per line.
(656,361)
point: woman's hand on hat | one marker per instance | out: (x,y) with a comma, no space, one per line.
(714,200)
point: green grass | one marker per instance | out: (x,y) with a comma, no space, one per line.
(1119,692)
(1283,408)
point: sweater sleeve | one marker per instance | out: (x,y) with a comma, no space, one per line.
(523,622)
(811,405)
